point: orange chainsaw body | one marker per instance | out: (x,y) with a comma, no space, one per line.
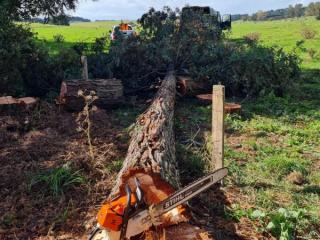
(110,215)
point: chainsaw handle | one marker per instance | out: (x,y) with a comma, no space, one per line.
(126,213)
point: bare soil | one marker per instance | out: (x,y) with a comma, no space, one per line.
(47,138)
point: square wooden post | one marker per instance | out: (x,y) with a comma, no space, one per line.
(218,97)
(84,62)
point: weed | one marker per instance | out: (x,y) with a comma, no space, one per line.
(62,217)
(308,33)
(281,165)
(252,38)
(58,180)
(312,53)
(58,38)
(235,212)
(232,154)
(314,178)
(83,119)
(234,123)
(114,166)
(283,223)
(238,176)
(8,220)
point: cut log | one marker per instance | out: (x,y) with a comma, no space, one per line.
(186,86)
(109,92)
(9,104)
(151,159)
(228,107)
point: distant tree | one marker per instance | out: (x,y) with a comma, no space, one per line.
(313,9)
(291,12)
(59,20)
(245,17)
(261,15)
(253,17)
(298,10)
(25,9)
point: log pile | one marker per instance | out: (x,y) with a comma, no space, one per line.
(109,92)
(151,158)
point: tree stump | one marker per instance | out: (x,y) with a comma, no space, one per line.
(10,105)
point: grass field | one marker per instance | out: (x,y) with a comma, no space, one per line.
(76,32)
(284,33)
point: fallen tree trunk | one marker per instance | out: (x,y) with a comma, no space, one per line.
(151,158)
(109,92)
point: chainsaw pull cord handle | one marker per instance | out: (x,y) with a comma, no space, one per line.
(126,213)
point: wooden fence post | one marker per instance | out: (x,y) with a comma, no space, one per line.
(218,97)
(84,63)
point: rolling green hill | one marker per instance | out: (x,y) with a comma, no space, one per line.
(284,33)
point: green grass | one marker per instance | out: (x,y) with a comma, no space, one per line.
(57,180)
(76,32)
(272,138)
(284,33)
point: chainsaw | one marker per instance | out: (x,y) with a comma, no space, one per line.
(128,216)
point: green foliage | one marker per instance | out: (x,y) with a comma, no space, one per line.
(283,223)
(58,38)
(27,68)
(57,180)
(24,9)
(248,70)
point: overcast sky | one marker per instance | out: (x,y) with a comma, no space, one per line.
(133,9)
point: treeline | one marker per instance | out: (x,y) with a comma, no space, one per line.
(59,20)
(298,10)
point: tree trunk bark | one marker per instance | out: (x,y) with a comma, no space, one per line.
(152,145)
(109,91)
(151,159)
